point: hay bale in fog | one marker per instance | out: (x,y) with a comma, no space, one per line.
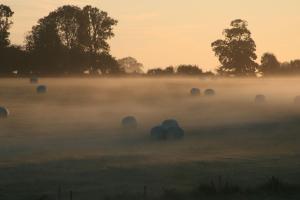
(34,80)
(209,92)
(41,89)
(129,122)
(158,133)
(170,123)
(195,91)
(175,133)
(297,100)
(260,98)
(4,112)
(169,129)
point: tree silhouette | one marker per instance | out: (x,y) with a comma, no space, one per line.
(5,23)
(155,72)
(130,65)
(189,70)
(96,29)
(236,52)
(269,65)
(170,70)
(71,40)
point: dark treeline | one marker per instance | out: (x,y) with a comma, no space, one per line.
(236,53)
(70,40)
(183,70)
(74,41)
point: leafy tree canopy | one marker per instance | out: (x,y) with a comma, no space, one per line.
(236,52)
(5,23)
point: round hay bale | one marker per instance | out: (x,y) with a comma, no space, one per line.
(4,112)
(297,100)
(158,133)
(169,129)
(260,98)
(170,123)
(174,133)
(129,122)
(34,80)
(41,89)
(209,92)
(195,91)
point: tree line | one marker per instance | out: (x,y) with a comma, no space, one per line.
(69,40)
(72,40)
(236,53)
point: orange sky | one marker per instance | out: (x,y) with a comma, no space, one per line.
(170,32)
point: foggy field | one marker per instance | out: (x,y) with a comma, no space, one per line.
(72,135)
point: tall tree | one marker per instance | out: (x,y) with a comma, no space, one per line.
(96,29)
(269,65)
(236,52)
(67,20)
(71,40)
(5,23)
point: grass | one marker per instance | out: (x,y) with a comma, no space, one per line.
(71,137)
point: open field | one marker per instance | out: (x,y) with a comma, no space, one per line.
(71,136)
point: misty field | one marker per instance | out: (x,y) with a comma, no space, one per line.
(72,137)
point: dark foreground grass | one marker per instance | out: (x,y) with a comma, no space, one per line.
(272,188)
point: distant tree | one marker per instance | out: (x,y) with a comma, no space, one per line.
(106,64)
(96,28)
(285,68)
(5,23)
(71,40)
(189,70)
(131,66)
(169,70)
(47,53)
(269,65)
(295,64)
(67,24)
(155,71)
(236,52)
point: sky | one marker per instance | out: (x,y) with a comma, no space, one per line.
(160,33)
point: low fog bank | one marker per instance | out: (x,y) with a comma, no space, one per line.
(81,118)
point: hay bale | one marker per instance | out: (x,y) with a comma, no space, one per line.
(158,133)
(195,92)
(209,92)
(129,122)
(41,89)
(169,129)
(175,133)
(4,112)
(260,98)
(170,123)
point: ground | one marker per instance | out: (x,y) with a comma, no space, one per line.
(71,137)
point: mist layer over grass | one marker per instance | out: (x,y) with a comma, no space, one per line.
(76,125)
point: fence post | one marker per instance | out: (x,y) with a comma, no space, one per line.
(145,191)
(59,193)
(71,195)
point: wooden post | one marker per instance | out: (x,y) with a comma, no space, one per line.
(71,195)
(59,193)
(145,191)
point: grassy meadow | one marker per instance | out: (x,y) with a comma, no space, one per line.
(71,137)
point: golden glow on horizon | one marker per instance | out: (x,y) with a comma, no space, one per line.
(170,32)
